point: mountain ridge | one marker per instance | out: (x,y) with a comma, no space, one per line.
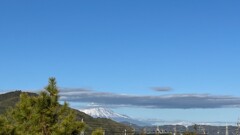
(111,127)
(101,112)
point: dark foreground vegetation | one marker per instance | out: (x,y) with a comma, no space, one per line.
(24,113)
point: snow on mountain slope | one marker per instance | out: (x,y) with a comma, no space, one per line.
(103,113)
(107,113)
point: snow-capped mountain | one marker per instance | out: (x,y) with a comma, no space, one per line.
(189,123)
(103,113)
(182,123)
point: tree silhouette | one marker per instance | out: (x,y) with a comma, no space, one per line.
(41,115)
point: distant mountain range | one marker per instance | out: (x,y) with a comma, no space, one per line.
(212,128)
(101,112)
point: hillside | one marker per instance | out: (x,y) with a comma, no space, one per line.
(10,99)
(111,127)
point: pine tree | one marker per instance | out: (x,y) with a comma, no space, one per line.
(41,115)
(98,131)
(5,128)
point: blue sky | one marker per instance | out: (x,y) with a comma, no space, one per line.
(123,47)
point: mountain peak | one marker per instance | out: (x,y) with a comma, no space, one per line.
(101,112)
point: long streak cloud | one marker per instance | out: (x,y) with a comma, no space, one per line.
(178,101)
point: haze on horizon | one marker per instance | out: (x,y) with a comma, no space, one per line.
(170,60)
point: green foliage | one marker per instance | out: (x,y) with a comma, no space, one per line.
(41,115)
(5,128)
(98,131)
(110,126)
(10,99)
(189,133)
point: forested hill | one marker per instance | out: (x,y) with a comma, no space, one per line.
(111,127)
(10,99)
